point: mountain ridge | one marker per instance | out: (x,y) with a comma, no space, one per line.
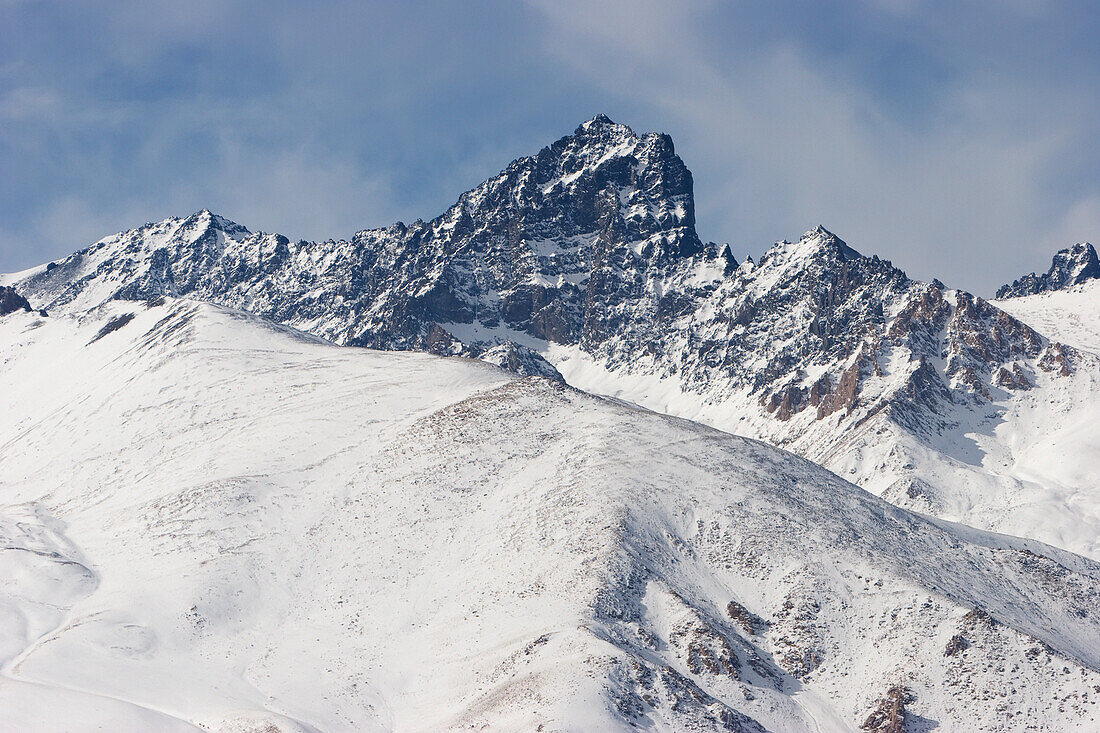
(582,263)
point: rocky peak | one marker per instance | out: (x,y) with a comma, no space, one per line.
(605,187)
(220,223)
(204,226)
(603,127)
(1071,266)
(818,246)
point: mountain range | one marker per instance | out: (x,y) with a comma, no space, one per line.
(567,536)
(582,263)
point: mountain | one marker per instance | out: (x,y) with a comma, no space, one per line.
(548,247)
(1071,266)
(582,263)
(215,522)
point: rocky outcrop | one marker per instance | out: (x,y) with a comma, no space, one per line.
(1057,358)
(748,621)
(112,325)
(1015,379)
(1071,266)
(11,301)
(521,360)
(888,715)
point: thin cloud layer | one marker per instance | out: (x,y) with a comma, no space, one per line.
(956,142)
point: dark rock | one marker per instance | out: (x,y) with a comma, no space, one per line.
(11,301)
(956,645)
(749,622)
(844,396)
(521,360)
(706,650)
(1056,358)
(112,325)
(978,618)
(439,341)
(1014,379)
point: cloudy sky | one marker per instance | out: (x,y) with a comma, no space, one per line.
(959,139)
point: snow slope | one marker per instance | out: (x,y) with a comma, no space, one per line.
(210,521)
(1024,462)
(1071,316)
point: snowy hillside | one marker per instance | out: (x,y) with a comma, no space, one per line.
(1071,316)
(250,529)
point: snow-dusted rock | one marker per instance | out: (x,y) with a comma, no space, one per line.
(521,360)
(1071,266)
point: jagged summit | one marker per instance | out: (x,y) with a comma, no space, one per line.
(202,219)
(826,239)
(1071,266)
(206,217)
(815,244)
(598,122)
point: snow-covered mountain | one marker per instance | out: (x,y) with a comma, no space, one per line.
(583,262)
(212,521)
(1071,266)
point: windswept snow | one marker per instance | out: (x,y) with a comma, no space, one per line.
(1071,316)
(212,521)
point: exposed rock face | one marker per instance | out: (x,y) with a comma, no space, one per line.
(888,716)
(915,494)
(111,326)
(1015,379)
(11,301)
(1071,266)
(749,622)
